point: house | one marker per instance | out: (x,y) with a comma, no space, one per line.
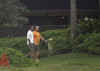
(57,12)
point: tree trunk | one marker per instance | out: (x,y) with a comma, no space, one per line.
(73,18)
(73,21)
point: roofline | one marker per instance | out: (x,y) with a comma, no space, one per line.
(62,12)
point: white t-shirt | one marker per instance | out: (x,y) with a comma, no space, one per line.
(30,37)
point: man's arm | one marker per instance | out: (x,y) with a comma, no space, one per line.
(42,38)
(28,40)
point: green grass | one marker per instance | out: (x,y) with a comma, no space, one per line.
(63,62)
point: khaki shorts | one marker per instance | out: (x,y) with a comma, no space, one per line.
(34,48)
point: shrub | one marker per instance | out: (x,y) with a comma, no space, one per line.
(16,57)
(61,39)
(20,45)
(90,26)
(91,43)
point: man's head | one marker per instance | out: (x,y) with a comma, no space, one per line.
(31,28)
(36,28)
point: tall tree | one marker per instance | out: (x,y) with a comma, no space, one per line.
(73,21)
(11,12)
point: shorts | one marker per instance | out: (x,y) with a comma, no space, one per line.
(34,48)
(31,46)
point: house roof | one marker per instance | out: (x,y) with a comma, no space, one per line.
(60,7)
(63,12)
(59,4)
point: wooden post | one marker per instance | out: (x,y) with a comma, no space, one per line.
(50,46)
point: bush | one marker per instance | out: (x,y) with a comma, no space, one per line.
(80,40)
(61,39)
(20,45)
(91,43)
(16,57)
(88,42)
(90,25)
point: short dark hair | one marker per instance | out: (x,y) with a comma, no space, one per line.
(30,26)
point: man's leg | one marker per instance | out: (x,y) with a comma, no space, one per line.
(37,54)
(33,52)
(29,53)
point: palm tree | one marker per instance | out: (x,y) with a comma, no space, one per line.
(73,21)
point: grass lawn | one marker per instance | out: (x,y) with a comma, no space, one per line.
(63,62)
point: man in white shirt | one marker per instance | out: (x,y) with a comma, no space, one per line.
(30,36)
(30,41)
